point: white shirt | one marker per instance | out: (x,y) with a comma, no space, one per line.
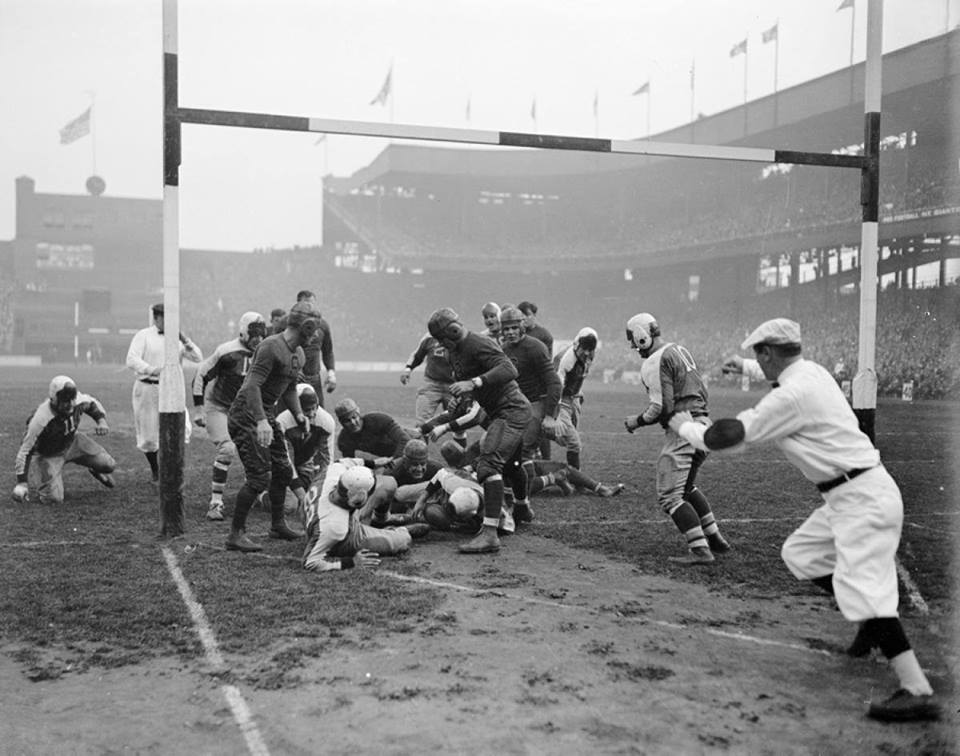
(331,521)
(808,418)
(147,352)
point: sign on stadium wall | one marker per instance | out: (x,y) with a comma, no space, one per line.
(70,256)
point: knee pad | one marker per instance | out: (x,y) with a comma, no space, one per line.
(226,451)
(668,487)
(486,468)
(669,506)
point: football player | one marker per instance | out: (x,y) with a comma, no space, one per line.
(252,424)
(540,383)
(215,386)
(673,384)
(573,364)
(336,539)
(484,373)
(52,439)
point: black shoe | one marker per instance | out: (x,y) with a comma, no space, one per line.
(238,541)
(485,543)
(284,532)
(718,544)
(904,706)
(862,645)
(104,478)
(522,512)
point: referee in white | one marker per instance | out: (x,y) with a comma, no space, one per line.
(849,544)
(145,358)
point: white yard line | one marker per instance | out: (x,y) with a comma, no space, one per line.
(913,593)
(560,605)
(211,651)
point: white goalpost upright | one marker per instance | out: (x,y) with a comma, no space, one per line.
(171,379)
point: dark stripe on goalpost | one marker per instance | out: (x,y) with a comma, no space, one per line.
(250,120)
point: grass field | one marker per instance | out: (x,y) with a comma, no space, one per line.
(86,588)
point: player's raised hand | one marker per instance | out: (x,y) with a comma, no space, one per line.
(733,364)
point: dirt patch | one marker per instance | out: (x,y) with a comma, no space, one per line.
(540,649)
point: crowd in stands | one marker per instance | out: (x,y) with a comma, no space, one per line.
(659,207)
(917,337)
(380,317)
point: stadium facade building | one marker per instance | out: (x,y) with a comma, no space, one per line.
(583,234)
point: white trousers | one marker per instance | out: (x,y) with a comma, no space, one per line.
(854,536)
(146,416)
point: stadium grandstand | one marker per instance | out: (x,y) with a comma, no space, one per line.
(710,247)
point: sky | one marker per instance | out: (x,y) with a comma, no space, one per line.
(242,189)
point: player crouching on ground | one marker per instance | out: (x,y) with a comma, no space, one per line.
(848,546)
(673,384)
(309,445)
(336,539)
(52,439)
(453,499)
(410,473)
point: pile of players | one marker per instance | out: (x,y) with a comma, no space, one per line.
(385,490)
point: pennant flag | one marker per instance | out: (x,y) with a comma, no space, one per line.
(320,139)
(739,49)
(770,34)
(384,93)
(78,127)
(533,109)
(693,73)
(643,88)
(845,4)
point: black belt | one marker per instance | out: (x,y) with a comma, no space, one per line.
(151,381)
(830,484)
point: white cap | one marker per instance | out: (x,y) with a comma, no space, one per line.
(778,331)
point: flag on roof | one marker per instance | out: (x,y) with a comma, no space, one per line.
(78,127)
(384,94)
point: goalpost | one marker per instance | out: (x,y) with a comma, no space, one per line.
(172,404)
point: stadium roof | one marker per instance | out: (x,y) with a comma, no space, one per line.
(920,91)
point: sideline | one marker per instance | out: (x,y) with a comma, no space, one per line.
(238,706)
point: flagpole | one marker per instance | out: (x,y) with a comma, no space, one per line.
(746,62)
(392,93)
(693,78)
(776,67)
(596,112)
(649,108)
